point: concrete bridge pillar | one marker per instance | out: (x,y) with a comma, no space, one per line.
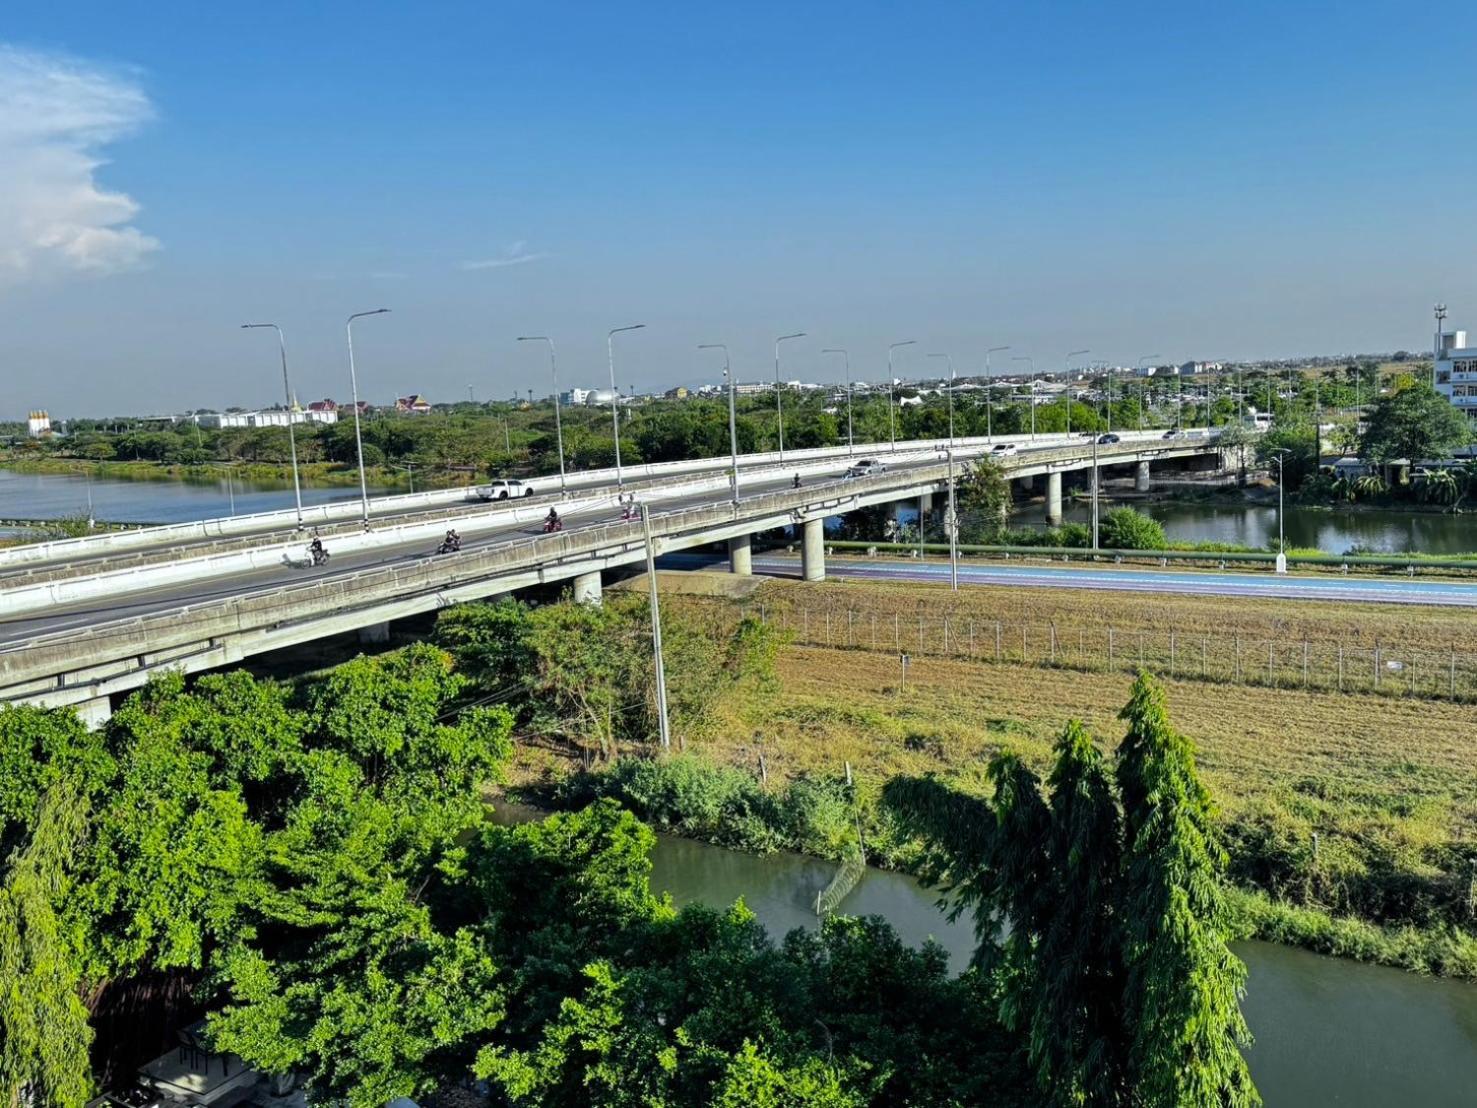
(587,588)
(1141,477)
(813,550)
(95,713)
(1053,499)
(740,555)
(375,632)
(925,507)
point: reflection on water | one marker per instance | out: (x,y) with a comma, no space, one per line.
(1334,531)
(58,496)
(1328,1031)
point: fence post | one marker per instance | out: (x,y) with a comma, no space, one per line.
(1171,654)
(805,625)
(897,634)
(1204,650)
(850,619)
(1452,693)
(946,634)
(1110,648)
(1238,656)
(1024,659)
(1341,667)
(997,640)
(828,626)
(1376,664)
(1141,650)
(874,630)
(920,632)
(971,638)
(1305,663)
(1052,648)
(1271,676)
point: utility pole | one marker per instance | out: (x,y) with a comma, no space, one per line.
(892,392)
(952,522)
(779,408)
(656,636)
(1094,492)
(732,425)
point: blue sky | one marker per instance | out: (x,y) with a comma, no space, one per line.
(1194,180)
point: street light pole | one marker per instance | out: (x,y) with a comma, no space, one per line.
(1281,534)
(732,424)
(952,523)
(950,359)
(615,396)
(891,392)
(1068,364)
(354,392)
(558,420)
(1094,492)
(1143,387)
(990,395)
(847,359)
(297,487)
(663,727)
(779,409)
(1032,362)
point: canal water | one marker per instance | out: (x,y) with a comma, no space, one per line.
(168,500)
(1328,1031)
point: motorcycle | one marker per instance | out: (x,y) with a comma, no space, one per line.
(449,546)
(552,525)
(317,556)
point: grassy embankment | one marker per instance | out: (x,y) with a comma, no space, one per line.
(1349,818)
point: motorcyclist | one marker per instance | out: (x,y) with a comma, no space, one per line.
(453,541)
(796,483)
(552,521)
(316,551)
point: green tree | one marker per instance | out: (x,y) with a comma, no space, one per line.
(1183,985)
(1128,529)
(1413,424)
(983,501)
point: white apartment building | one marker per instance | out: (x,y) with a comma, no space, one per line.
(1455,372)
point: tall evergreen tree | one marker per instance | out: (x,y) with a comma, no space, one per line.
(1182,989)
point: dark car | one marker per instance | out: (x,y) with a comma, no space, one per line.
(1108,439)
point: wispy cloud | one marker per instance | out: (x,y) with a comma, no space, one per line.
(516,254)
(56,114)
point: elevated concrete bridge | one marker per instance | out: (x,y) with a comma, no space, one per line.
(79,637)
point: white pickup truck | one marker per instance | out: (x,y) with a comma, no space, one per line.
(503,490)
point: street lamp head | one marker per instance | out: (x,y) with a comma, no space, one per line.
(905,342)
(533,338)
(630,327)
(361,315)
(796,335)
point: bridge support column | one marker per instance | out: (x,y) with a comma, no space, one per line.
(587,588)
(1053,499)
(925,508)
(375,632)
(95,712)
(1141,477)
(740,555)
(813,550)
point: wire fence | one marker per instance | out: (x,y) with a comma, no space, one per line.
(1399,669)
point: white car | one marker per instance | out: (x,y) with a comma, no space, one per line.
(504,490)
(1004,450)
(866,467)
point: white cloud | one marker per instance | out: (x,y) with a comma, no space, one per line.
(56,114)
(516,254)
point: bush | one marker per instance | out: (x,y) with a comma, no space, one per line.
(1127,529)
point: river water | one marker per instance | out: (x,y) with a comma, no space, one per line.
(1332,530)
(1328,1031)
(170,500)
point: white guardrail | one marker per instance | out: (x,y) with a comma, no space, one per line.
(89,546)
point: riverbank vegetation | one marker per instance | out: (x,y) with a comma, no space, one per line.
(312,869)
(1347,817)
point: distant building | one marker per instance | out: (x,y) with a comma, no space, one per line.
(576,398)
(38,424)
(752,388)
(414,403)
(679,393)
(1455,371)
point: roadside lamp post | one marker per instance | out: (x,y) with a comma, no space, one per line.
(892,392)
(952,523)
(949,358)
(297,488)
(664,729)
(354,394)
(558,424)
(615,396)
(1032,362)
(779,409)
(1281,534)
(732,424)
(990,395)
(1143,386)
(1094,493)
(846,358)
(1068,364)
